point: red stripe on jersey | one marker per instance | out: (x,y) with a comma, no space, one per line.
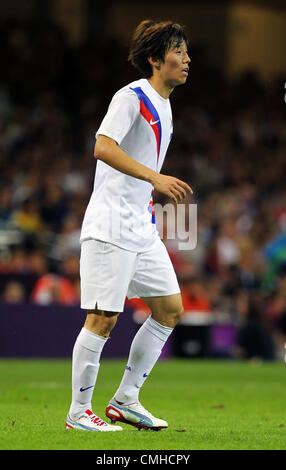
(148,116)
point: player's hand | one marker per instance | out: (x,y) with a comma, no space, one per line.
(172,187)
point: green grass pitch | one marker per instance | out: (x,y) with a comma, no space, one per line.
(208,405)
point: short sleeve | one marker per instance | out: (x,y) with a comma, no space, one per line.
(121,114)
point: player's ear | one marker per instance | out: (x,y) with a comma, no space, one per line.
(155,63)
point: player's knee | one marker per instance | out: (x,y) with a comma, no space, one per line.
(179,314)
(101,322)
(169,317)
(106,326)
(176,316)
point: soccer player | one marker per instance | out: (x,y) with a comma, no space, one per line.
(121,250)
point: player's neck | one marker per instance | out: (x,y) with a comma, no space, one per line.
(164,89)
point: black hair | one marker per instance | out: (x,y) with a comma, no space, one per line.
(154,39)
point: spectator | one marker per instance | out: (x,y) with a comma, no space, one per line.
(27,218)
(195,298)
(14,293)
(5,206)
(52,288)
(255,340)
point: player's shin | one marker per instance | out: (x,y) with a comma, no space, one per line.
(145,350)
(85,366)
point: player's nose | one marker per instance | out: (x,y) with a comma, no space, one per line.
(187,59)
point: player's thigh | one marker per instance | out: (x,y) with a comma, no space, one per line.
(155,275)
(105,272)
(167,309)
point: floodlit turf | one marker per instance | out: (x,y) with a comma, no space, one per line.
(208,404)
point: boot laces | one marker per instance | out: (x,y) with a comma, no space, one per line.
(96,420)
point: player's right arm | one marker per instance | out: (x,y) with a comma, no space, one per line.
(107,150)
(121,115)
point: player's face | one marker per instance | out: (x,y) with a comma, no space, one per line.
(175,69)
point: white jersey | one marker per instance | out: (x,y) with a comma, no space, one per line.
(120,210)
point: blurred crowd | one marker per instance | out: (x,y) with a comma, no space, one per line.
(229,144)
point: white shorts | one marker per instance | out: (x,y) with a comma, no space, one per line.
(109,274)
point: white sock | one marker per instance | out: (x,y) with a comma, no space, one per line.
(144,352)
(85,365)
